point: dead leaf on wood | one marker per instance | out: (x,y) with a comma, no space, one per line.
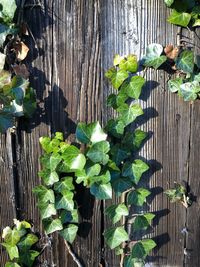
(171,51)
(21,70)
(21,50)
(24,29)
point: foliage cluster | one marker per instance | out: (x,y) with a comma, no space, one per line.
(20,243)
(184,12)
(17,98)
(182,62)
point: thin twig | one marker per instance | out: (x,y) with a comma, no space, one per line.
(76,260)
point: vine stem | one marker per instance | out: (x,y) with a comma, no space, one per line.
(123,197)
(72,254)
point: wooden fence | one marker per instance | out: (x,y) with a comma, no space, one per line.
(75,41)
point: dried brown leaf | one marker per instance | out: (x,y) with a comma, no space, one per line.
(21,70)
(171,51)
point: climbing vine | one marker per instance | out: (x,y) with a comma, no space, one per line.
(20,243)
(184,12)
(17,98)
(106,162)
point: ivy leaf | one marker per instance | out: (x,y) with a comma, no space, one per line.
(135,86)
(8,10)
(66,183)
(69,233)
(12,264)
(29,257)
(115,212)
(11,237)
(51,226)
(129,113)
(73,158)
(169,2)
(102,179)
(142,248)
(185,61)
(115,127)
(143,221)
(189,90)
(174,85)
(46,210)
(5,78)
(86,133)
(116,77)
(44,195)
(119,153)
(49,178)
(119,183)
(129,63)
(90,173)
(117,60)
(153,56)
(101,191)
(138,197)
(66,201)
(4,31)
(27,242)
(179,18)
(134,170)
(12,250)
(55,159)
(115,236)
(134,140)
(133,262)
(6,121)
(69,216)
(98,152)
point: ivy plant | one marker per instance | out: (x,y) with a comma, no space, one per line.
(183,63)
(17,98)
(20,244)
(105,163)
(184,12)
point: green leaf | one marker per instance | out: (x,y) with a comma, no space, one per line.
(66,201)
(73,158)
(135,170)
(117,60)
(59,136)
(133,262)
(156,62)
(115,127)
(119,153)
(5,78)
(46,210)
(27,242)
(101,179)
(142,248)
(51,226)
(88,174)
(115,212)
(69,233)
(129,63)
(189,90)
(129,113)
(6,121)
(48,177)
(4,31)
(12,264)
(12,250)
(143,221)
(116,77)
(98,152)
(86,133)
(101,191)
(44,195)
(69,216)
(134,140)
(119,183)
(185,61)
(8,9)
(55,159)
(138,197)
(179,18)
(174,85)
(153,56)
(11,237)
(66,183)
(135,86)
(169,2)
(115,236)
(29,257)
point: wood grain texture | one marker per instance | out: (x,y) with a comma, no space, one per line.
(75,43)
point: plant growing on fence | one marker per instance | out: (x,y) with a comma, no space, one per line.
(20,244)
(106,162)
(182,62)
(17,98)
(184,13)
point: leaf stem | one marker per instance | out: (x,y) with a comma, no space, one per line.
(76,260)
